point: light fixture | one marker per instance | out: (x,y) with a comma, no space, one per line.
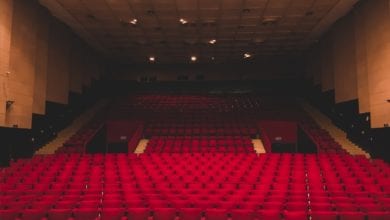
(247,55)
(183,21)
(212,58)
(213,41)
(133,21)
(270,20)
(152,59)
(193,58)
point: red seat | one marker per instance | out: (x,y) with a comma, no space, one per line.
(9,214)
(59,214)
(191,213)
(216,214)
(86,213)
(33,214)
(378,215)
(138,213)
(323,215)
(113,214)
(164,213)
(241,214)
(352,216)
(268,214)
(295,215)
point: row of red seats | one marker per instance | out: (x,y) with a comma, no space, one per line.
(199,144)
(186,214)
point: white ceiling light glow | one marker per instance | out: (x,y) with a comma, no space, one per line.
(133,21)
(183,21)
(193,58)
(213,41)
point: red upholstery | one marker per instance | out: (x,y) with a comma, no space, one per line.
(216,214)
(9,214)
(164,213)
(60,214)
(113,214)
(191,213)
(138,213)
(241,214)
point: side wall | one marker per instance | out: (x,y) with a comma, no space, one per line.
(40,60)
(360,68)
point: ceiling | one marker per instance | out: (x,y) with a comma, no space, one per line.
(257,27)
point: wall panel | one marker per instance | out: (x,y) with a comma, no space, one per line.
(22,64)
(6,12)
(344,60)
(41,62)
(57,87)
(361,59)
(378,60)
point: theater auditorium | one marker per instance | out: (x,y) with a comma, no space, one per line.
(194,109)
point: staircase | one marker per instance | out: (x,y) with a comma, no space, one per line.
(69,131)
(337,134)
(258,146)
(141,147)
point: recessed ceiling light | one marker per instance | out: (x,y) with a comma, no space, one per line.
(270,20)
(183,21)
(152,59)
(212,58)
(193,58)
(247,55)
(133,21)
(213,41)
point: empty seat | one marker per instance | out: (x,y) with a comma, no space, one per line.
(191,213)
(382,215)
(113,214)
(295,215)
(268,214)
(351,216)
(138,213)
(241,214)
(60,214)
(216,214)
(85,213)
(164,213)
(323,215)
(9,214)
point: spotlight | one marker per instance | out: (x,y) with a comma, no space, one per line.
(193,58)
(133,21)
(183,21)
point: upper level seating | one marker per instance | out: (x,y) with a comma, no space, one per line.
(192,185)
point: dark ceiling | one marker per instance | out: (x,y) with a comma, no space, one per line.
(211,30)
